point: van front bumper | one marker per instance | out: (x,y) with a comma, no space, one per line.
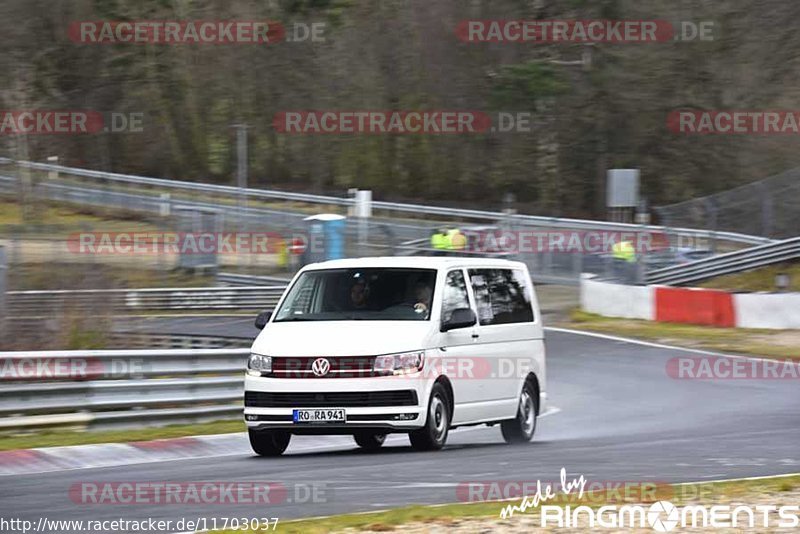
(385,404)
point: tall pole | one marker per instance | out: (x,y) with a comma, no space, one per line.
(25,180)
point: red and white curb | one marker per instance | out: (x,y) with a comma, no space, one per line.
(50,459)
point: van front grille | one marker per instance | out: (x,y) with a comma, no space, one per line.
(340,367)
(338,399)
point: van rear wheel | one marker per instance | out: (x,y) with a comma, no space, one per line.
(369,441)
(269,442)
(434,434)
(521,428)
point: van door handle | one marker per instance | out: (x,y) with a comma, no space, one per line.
(475,336)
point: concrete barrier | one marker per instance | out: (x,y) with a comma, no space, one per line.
(617,300)
(701,306)
(767,310)
(692,305)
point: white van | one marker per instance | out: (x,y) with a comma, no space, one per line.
(419,345)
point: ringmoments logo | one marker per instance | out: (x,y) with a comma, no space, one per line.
(664,516)
(661,516)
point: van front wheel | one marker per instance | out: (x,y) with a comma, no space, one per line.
(521,428)
(269,442)
(369,441)
(433,435)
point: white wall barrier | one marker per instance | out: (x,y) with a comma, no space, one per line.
(767,310)
(617,300)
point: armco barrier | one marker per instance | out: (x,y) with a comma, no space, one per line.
(694,306)
(701,306)
(102,388)
(253,298)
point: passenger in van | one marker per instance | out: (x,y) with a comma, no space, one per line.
(359,293)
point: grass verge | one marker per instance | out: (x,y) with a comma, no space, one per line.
(58,438)
(762,279)
(754,342)
(442,516)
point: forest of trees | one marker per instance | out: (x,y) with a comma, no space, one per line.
(405,55)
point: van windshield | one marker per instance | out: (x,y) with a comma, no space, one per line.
(369,294)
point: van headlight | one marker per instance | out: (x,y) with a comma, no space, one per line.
(259,364)
(405,362)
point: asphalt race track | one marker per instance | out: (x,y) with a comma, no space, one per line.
(619,417)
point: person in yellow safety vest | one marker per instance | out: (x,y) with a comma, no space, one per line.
(624,251)
(283,253)
(440,240)
(458,241)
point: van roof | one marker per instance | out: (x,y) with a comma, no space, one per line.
(423,262)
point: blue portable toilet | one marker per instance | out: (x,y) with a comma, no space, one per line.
(327,229)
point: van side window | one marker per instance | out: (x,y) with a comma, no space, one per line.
(454,295)
(501,295)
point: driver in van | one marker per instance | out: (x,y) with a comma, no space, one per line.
(422,297)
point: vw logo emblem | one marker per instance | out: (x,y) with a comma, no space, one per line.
(320,367)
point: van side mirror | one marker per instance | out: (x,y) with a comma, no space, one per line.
(461,318)
(262,319)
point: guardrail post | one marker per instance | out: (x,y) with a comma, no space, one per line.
(52,174)
(713,212)
(3,287)
(766,210)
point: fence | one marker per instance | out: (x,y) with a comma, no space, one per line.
(770,208)
(251,298)
(119,388)
(416,211)
(393,226)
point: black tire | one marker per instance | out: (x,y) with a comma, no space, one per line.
(269,442)
(522,427)
(369,441)
(433,435)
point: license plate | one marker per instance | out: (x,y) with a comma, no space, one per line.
(321,415)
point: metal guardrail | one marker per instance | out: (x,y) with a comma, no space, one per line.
(731,262)
(31,303)
(237,279)
(415,209)
(129,387)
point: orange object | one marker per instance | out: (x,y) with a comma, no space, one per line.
(695,306)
